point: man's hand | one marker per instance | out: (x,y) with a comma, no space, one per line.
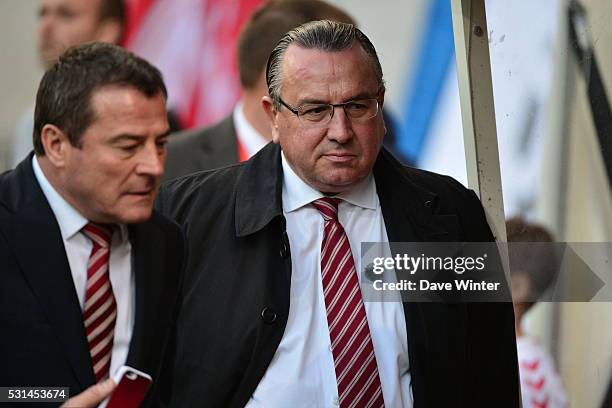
(92,396)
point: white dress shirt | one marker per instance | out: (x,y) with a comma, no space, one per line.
(248,137)
(78,248)
(302,372)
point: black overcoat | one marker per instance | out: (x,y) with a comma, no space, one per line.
(236,291)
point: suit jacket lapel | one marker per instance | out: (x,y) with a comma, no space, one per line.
(404,200)
(141,262)
(40,252)
(409,214)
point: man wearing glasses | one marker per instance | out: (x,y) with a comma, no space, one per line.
(273,314)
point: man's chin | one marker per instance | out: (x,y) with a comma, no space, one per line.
(133,215)
(336,185)
(137,219)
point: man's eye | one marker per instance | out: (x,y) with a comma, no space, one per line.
(161,144)
(66,13)
(128,148)
(356,106)
(315,110)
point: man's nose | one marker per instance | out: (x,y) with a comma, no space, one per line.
(152,161)
(339,127)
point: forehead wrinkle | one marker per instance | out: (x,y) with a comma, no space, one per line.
(330,80)
(137,115)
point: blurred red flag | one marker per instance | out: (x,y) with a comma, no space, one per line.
(193,43)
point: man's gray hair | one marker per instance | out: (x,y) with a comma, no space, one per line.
(322,35)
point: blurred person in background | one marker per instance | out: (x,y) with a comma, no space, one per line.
(63,24)
(246,130)
(533,267)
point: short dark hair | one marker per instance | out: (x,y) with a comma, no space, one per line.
(114,9)
(530,255)
(322,35)
(269,23)
(64,94)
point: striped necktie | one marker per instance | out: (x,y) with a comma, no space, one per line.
(100,310)
(354,359)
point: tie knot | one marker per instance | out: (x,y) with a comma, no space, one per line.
(328,207)
(100,234)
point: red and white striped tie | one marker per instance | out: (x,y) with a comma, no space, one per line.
(100,310)
(354,359)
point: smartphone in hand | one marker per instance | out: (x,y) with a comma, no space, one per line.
(132,386)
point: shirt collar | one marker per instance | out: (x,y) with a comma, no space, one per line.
(69,219)
(297,193)
(249,138)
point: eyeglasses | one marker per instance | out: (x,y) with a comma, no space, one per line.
(321,114)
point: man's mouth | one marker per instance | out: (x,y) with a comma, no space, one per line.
(146,192)
(339,157)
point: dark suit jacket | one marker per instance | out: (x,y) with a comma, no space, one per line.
(236,298)
(202,149)
(42,338)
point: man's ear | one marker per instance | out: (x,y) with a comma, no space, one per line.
(272,114)
(109,31)
(381,98)
(55,143)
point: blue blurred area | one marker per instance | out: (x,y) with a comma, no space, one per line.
(431,67)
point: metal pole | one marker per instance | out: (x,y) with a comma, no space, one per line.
(478,110)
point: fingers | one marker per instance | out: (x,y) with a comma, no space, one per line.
(92,396)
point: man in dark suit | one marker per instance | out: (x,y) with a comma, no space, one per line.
(246,130)
(273,314)
(89,272)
